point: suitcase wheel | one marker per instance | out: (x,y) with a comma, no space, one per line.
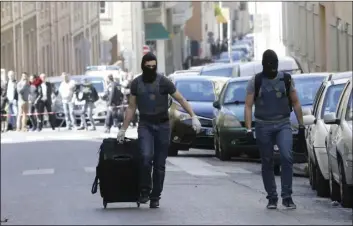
(105,204)
(138,205)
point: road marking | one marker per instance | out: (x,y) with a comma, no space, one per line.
(38,172)
(195,166)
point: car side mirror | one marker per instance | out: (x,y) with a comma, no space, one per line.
(216,104)
(309,120)
(307,111)
(331,119)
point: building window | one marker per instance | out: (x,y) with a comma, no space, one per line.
(148,5)
(102,7)
(243,6)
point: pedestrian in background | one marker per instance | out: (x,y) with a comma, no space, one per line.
(12,97)
(149,94)
(3,84)
(273,106)
(89,95)
(34,82)
(115,98)
(23,89)
(67,89)
(45,102)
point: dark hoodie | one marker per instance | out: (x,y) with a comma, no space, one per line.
(270,63)
(148,74)
(35,90)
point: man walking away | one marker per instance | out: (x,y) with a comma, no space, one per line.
(67,90)
(149,94)
(114,98)
(274,95)
(12,97)
(89,95)
(34,82)
(44,102)
(23,94)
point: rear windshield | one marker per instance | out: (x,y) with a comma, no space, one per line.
(331,99)
(200,91)
(236,91)
(307,88)
(224,72)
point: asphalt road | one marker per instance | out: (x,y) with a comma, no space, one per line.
(46,178)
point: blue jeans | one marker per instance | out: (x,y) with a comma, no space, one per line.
(69,115)
(87,109)
(268,135)
(13,110)
(154,142)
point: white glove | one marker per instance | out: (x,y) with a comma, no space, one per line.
(196,125)
(121,135)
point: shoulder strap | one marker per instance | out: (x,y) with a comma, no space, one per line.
(257,84)
(287,82)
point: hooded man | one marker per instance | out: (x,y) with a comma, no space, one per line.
(149,94)
(274,96)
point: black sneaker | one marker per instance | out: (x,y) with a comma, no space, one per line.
(154,204)
(272,204)
(144,198)
(288,203)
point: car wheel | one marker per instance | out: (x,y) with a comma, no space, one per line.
(322,186)
(334,189)
(277,170)
(223,153)
(346,192)
(172,151)
(216,148)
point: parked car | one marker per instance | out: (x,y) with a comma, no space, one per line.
(339,149)
(325,102)
(237,56)
(244,47)
(221,70)
(229,122)
(200,92)
(286,64)
(182,72)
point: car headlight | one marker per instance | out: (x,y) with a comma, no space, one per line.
(182,115)
(231,121)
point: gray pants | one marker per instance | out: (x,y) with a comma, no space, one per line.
(13,110)
(69,115)
(87,109)
(154,143)
(268,135)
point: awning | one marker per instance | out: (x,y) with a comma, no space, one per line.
(156,31)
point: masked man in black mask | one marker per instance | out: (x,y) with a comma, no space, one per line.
(149,94)
(274,96)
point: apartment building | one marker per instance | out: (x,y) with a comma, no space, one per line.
(49,37)
(319,34)
(240,18)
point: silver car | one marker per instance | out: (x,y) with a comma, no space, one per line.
(339,149)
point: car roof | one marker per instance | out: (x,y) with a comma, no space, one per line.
(220,66)
(339,75)
(240,79)
(311,75)
(186,71)
(199,78)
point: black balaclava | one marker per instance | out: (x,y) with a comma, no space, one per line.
(148,74)
(270,64)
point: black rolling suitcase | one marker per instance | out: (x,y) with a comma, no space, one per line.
(117,172)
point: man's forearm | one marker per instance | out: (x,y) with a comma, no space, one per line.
(187,107)
(129,114)
(248,117)
(299,113)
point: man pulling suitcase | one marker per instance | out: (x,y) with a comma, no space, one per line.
(149,94)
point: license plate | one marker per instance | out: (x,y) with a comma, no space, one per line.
(209,132)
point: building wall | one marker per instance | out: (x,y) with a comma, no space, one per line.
(319,34)
(47,36)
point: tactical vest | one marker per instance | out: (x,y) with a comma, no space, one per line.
(151,104)
(272,103)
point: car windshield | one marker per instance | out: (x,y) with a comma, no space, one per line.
(224,72)
(236,56)
(331,99)
(201,91)
(307,88)
(236,92)
(98,83)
